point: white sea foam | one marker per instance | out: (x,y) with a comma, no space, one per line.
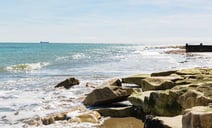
(27,66)
(78,56)
(73,114)
(27,100)
(59,58)
(149,53)
(75,56)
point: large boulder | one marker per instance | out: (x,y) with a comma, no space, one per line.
(106,95)
(135,79)
(193,98)
(156,83)
(68,83)
(197,117)
(161,103)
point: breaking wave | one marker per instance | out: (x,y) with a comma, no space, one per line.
(27,66)
(78,56)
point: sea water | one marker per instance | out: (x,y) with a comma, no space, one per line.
(29,72)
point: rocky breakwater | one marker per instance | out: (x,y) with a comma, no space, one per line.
(169,99)
(111,100)
(104,107)
(168,95)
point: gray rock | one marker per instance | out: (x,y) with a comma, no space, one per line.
(68,83)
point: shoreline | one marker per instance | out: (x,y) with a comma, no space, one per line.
(145,94)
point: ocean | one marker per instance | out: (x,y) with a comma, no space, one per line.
(29,72)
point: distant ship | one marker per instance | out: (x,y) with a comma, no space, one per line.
(44,42)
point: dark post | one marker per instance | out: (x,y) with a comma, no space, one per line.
(187,47)
(198,48)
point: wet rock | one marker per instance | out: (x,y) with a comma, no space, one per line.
(54,117)
(154,83)
(89,117)
(68,83)
(51,118)
(127,122)
(106,95)
(197,117)
(135,79)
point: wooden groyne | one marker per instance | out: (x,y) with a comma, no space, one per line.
(198,48)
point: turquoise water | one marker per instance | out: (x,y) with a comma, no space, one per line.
(55,59)
(12,54)
(21,60)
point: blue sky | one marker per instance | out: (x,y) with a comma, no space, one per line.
(106,21)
